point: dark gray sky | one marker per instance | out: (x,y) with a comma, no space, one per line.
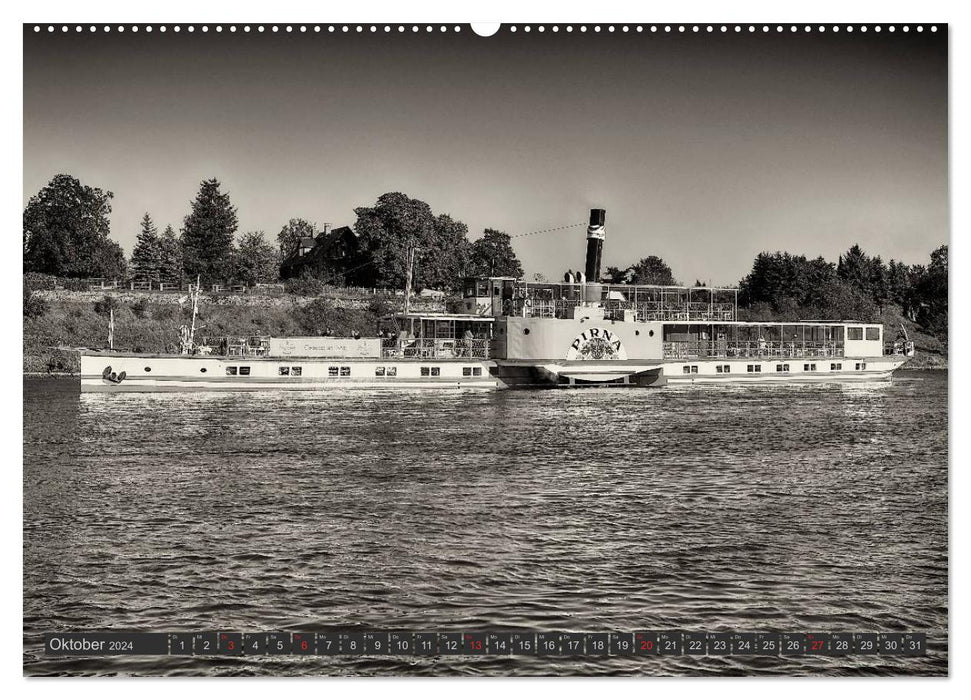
(704,148)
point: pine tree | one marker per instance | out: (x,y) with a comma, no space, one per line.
(207,235)
(170,257)
(146,258)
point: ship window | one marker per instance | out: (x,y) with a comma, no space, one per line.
(345,371)
(835,365)
(296,371)
(650,334)
(202,369)
(754,368)
(782,368)
(728,369)
(332,371)
(873,333)
(284,371)
(723,369)
(861,365)
(854,333)
(244,370)
(148,369)
(719,369)
(525,331)
(392,371)
(466,371)
(476,371)
(231,371)
(436,371)
(686,369)
(379,371)
(425,371)
(694,369)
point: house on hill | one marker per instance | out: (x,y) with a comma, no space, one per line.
(328,256)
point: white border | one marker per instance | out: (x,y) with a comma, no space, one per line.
(521,11)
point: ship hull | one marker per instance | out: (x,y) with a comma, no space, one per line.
(127,373)
(525,375)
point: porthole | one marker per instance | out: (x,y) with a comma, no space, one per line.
(202,369)
(637,332)
(525,331)
(148,369)
(650,334)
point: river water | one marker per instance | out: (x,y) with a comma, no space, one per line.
(800,509)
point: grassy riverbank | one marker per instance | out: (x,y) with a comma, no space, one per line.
(58,326)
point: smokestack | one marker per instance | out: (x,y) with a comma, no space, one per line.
(595,243)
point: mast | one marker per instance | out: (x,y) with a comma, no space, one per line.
(408,280)
(111,329)
(187,334)
(195,309)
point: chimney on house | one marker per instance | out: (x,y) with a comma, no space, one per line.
(595,244)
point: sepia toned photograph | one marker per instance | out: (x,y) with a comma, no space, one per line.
(445,350)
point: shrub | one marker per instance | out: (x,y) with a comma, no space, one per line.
(140,309)
(73,284)
(321,316)
(166,313)
(304,286)
(37,280)
(34,306)
(106,305)
(381,307)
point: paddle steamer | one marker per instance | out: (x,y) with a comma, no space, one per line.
(517,334)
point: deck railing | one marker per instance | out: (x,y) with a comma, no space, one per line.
(694,312)
(767,349)
(435,348)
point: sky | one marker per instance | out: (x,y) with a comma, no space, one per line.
(705,149)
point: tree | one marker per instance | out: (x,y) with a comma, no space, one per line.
(493,256)
(292,232)
(879,283)
(650,270)
(396,224)
(786,281)
(146,258)
(444,258)
(855,267)
(170,257)
(898,284)
(931,287)
(256,259)
(66,231)
(207,235)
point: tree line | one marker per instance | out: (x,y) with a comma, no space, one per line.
(787,287)
(67,234)
(858,286)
